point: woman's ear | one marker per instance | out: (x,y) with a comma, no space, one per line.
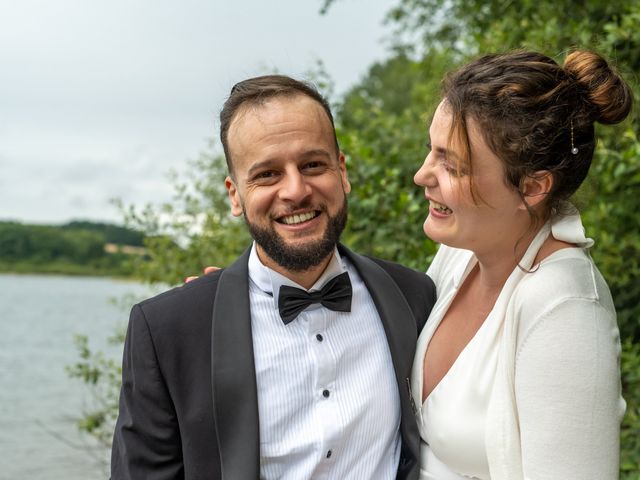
(536,187)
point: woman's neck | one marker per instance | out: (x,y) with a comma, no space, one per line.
(496,264)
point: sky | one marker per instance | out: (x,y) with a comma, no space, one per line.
(100,99)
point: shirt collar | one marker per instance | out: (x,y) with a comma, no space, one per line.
(270,281)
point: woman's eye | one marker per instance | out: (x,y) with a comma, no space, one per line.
(453,170)
(450,169)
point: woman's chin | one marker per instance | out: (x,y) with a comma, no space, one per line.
(434,233)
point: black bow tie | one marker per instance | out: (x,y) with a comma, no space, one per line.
(335,295)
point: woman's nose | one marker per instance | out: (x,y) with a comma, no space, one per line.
(424,176)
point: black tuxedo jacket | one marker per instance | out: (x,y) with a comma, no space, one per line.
(188,405)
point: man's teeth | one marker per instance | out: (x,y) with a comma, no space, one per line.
(294,219)
(440,207)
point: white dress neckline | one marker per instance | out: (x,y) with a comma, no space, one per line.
(452,418)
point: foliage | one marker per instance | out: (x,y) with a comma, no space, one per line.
(68,249)
(472,26)
(382,129)
(610,217)
(193,230)
(45,243)
(110,232)
(102,375)
(629,438)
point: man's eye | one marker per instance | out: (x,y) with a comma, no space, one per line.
(428,145)
(264,175)
(314,167)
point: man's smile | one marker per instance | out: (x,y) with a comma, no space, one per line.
(298,217)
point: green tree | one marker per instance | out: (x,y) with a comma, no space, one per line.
(111,233)
(70,249)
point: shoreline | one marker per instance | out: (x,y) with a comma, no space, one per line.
(64,269)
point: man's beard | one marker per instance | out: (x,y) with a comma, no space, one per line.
(303,257)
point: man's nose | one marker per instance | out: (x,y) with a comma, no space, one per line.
(295,187)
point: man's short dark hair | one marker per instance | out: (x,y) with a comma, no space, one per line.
(256,91)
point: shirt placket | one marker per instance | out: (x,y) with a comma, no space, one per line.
(326,397)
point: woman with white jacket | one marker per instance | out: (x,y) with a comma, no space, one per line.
(517,371)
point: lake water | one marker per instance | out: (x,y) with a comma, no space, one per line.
(39,316)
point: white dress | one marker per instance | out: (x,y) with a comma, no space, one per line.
(543,365)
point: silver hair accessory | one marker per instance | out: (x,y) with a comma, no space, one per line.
(574,149)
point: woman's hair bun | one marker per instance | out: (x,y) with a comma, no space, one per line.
(607,93)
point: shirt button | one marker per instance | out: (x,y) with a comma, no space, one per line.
(329,454)
(326,393)
(319,337)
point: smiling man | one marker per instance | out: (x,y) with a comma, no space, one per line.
(292,363)
(289,180)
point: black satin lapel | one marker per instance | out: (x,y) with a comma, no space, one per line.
(400,328)
(235,397)
(395,313)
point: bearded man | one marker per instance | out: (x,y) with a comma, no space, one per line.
(292,363)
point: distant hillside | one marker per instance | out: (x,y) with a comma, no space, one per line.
(78,247)
(112,233)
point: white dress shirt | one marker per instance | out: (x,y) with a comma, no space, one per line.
(327,394)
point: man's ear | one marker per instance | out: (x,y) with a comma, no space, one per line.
(234,197)
(535,188)
(342,164)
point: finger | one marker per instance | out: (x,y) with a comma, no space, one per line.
(211,269)
(188,279)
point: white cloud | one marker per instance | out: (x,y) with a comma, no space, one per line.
(101,98)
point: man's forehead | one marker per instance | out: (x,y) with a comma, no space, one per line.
(276,118)
(270,107)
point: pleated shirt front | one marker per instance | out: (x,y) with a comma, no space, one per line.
(327,394)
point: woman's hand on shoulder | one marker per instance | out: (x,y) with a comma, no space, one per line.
(206,271)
